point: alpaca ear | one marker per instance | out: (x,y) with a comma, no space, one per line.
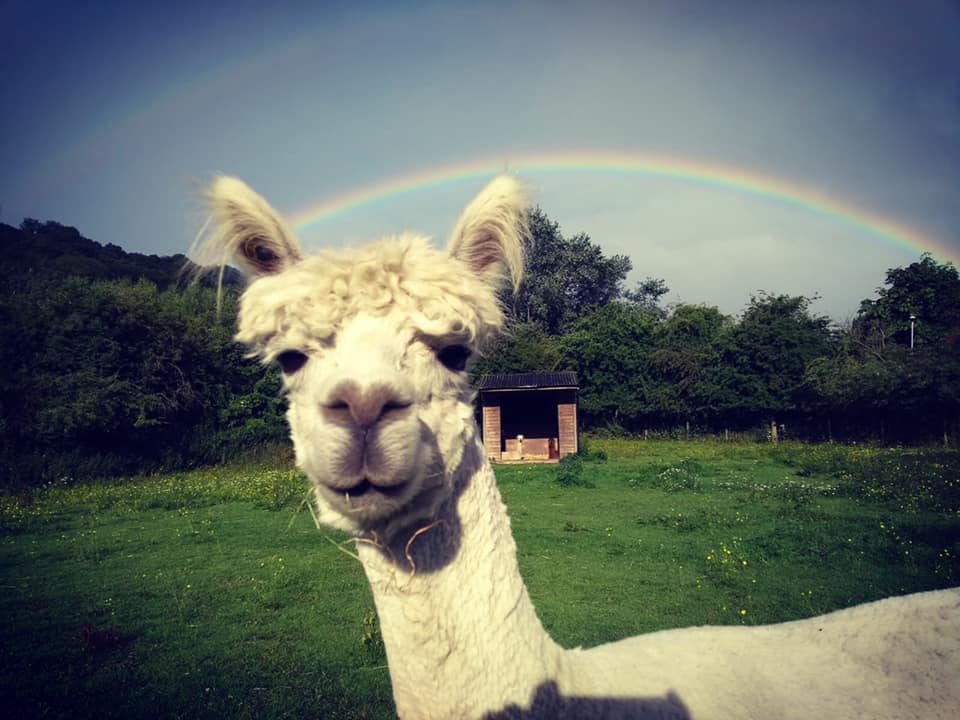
(490,234)
(245,230)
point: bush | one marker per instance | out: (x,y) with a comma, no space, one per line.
(584,452)
(570,472)
(685,475)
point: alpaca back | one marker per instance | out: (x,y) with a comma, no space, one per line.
(895,658)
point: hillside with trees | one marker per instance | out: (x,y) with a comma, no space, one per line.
(777,367)
(113,363)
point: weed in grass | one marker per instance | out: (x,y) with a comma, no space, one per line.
(898,543)
(797,499)
(571,467)
(946,565)
(371,639)
(642,477)
(685,475)
(731,579)
(814,460)
(912,481)
(274,590)
(726,564)
(570,472)
(693,520)
(195,529)
(588,453)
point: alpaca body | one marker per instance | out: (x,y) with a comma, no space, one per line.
(372,344)
(870,661)
(464,641)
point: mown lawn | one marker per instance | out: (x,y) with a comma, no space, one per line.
(212,594)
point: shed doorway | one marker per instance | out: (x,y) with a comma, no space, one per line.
(530,417)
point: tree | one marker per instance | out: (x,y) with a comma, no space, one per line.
(767,353)
(685,359)
(525,347)
(609,349)
(566,278)
(853,389)
(50,250)
(103,377)
(876,382)
(647,294)
(927,290)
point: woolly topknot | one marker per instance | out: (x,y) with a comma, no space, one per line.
(303,299)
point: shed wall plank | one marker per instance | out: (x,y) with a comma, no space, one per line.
(491,431)
(567,422)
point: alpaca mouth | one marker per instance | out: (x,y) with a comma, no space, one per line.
(367,488)
(369,498)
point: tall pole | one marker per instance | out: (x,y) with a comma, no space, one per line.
(912,320)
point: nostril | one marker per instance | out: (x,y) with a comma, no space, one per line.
(366,406)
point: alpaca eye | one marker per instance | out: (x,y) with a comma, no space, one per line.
(265,255)
(454,357)
(290,361)
(258,251)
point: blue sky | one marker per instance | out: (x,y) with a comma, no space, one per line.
(115,114)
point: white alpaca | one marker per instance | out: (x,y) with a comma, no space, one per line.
(372,343)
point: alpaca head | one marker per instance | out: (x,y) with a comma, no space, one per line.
(372,344)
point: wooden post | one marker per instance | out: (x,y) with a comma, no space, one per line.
(491,431)
(567,428)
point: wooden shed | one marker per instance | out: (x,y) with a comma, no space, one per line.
(530,417)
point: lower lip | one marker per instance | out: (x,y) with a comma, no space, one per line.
(367,497)
(366,487)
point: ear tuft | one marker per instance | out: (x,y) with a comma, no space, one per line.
(491,232)
(243,229)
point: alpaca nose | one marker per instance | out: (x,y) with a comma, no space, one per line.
(367,405)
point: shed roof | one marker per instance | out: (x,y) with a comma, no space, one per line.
(528,381)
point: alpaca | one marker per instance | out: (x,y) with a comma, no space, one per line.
(372,343)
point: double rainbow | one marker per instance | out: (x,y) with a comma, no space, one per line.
(726,178)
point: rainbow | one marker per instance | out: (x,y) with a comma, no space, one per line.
(663,167)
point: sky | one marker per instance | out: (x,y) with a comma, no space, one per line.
(726,147)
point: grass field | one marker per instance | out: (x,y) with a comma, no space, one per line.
(211,594)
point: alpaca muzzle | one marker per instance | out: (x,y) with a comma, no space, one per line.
(375,467)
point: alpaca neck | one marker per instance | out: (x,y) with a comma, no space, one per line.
(462,638)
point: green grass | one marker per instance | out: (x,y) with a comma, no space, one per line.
(208,594)
(221,607)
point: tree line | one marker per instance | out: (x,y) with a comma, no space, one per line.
(112,363)
(777,367)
